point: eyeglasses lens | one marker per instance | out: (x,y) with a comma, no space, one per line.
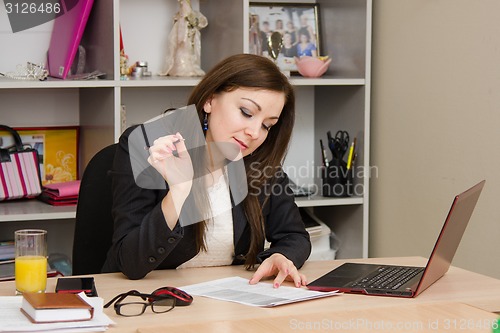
(163,305)
(132,309)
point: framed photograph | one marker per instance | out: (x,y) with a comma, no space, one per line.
(57,150)
(298,25)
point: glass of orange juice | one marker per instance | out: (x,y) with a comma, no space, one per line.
(31,260)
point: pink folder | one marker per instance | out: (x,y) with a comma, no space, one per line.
(61,194)
(66,36)
(65,189)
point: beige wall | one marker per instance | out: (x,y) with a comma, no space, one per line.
(435,125)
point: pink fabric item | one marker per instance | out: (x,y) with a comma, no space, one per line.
(66,189)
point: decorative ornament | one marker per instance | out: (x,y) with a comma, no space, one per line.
(184,42)
(30,72)
(205,122)
(274,45)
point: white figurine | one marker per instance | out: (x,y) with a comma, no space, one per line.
(184,42)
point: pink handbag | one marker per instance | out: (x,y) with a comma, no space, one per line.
(19,170)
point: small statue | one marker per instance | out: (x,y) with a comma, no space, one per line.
(124,69)
(184,42)
(255,36)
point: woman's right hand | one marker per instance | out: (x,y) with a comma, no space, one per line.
(169,156)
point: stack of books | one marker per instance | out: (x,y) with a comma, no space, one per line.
(53,312)
(61,194)
(7,250)
(7,255)
(8,271)
(55,307)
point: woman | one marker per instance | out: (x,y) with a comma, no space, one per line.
(305,47)
(305,27)
(290,28)
(279,27)
(244,102)
(288,50)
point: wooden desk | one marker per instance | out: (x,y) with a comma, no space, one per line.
(431,318)
(449,299)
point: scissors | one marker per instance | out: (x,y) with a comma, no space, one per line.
(339,144)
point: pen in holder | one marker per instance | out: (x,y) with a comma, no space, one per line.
(338,180)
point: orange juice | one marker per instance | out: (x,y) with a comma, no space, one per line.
(31,273)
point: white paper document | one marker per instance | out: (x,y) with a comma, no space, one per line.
(13,320)
(237,289)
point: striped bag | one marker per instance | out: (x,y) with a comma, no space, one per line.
(19,170)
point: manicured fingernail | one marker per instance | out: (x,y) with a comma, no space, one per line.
(276,285)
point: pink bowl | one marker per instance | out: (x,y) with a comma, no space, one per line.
(312,66)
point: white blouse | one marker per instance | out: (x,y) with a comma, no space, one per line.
(219,232)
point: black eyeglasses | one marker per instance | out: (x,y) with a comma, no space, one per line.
(128,305)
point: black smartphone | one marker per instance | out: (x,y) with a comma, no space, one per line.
(76,285)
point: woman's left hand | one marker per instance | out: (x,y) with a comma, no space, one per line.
(278,265)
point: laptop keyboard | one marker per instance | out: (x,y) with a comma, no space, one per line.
(388,277)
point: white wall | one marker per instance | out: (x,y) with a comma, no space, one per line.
(435,125)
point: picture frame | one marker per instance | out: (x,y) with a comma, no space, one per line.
(297,22)
(57,148)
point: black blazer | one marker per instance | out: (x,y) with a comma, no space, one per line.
(143,242)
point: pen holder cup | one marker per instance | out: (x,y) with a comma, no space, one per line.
(337,180)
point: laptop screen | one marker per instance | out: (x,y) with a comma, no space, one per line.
(450,236)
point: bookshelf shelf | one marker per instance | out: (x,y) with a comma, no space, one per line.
(317,201)
(54,83)
(34,210)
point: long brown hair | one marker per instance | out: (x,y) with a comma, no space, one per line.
(251,71)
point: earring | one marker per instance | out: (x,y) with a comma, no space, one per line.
(205,122)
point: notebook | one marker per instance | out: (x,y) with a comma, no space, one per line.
(66,36)
(406,281)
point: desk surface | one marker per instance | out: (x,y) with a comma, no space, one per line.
(450,301)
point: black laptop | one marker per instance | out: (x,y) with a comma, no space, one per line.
(406,281)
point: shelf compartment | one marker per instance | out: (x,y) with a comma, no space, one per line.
(25,210)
